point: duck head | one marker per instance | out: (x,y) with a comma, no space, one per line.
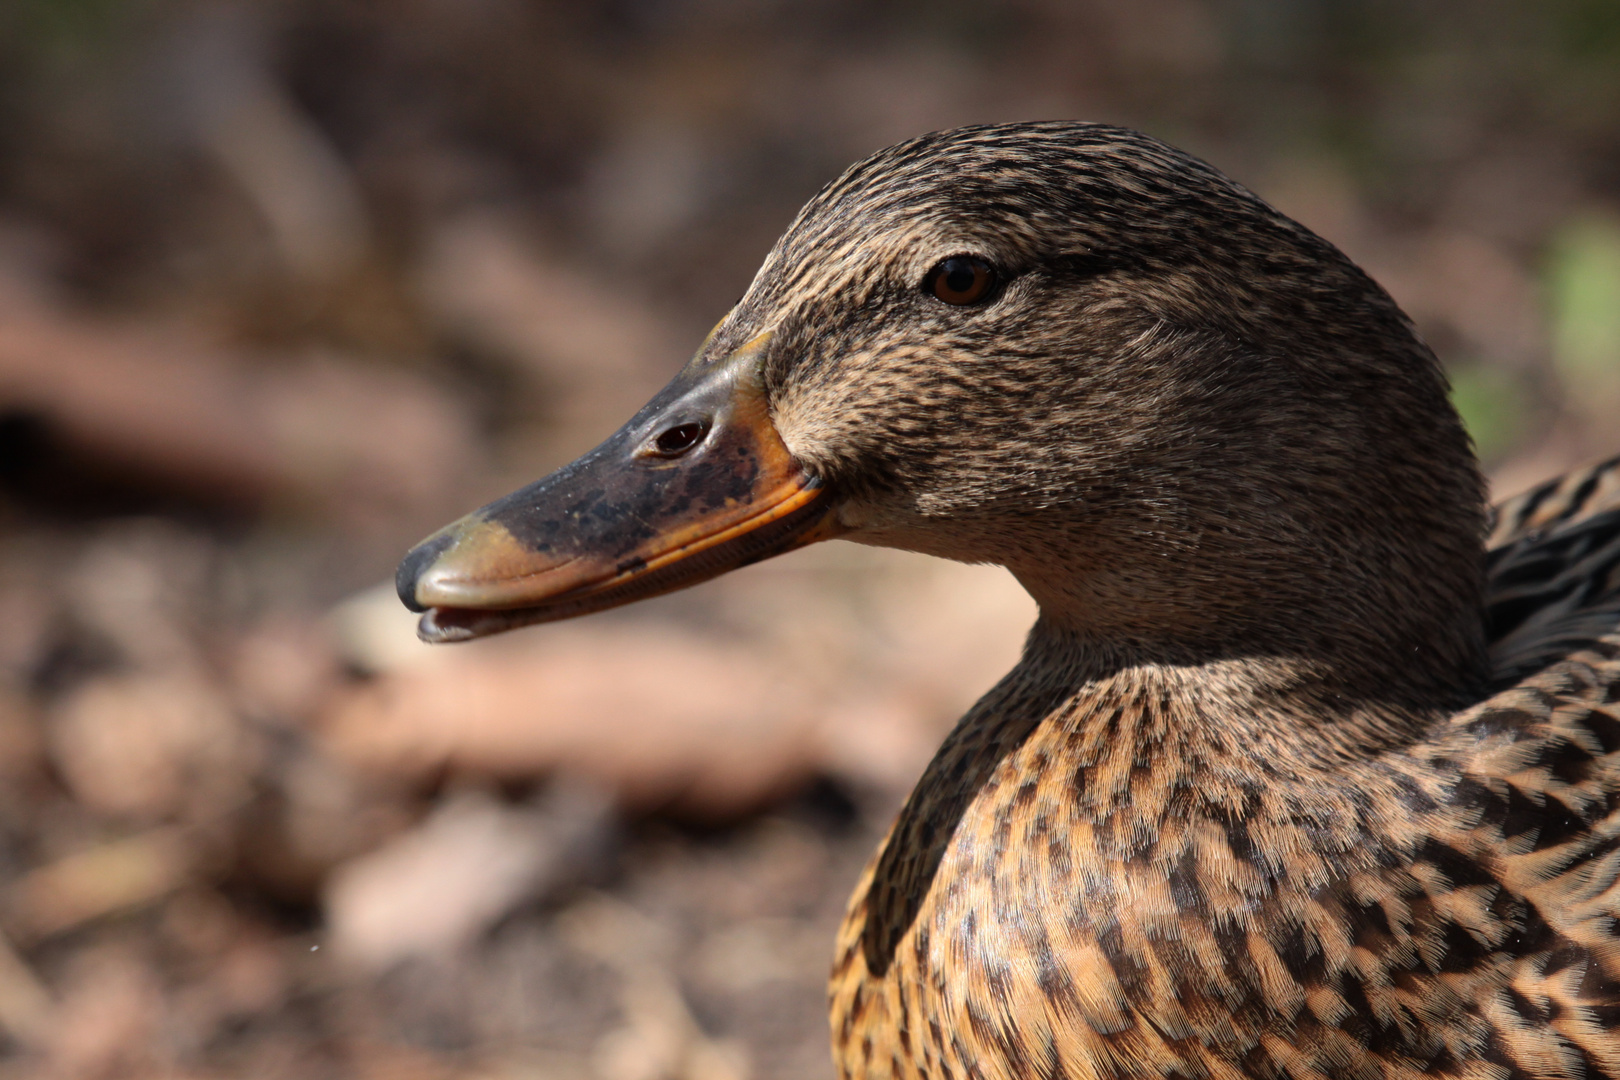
(1193,430)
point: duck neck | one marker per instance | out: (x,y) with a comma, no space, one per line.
(1228,707)
(1350,633)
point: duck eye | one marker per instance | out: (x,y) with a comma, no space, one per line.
(680,438)
(961,279)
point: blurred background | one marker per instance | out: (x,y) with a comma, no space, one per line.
(286,284)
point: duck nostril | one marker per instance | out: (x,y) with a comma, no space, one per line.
(680,438)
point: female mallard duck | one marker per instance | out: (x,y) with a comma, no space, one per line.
(1294,779)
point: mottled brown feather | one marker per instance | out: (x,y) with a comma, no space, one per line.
(1293,779)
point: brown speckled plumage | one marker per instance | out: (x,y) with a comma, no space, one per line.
(1240,810)
(1082,886)
(1295,777)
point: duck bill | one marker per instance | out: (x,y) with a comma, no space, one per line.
(696,484)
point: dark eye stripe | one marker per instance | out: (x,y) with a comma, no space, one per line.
(961,280)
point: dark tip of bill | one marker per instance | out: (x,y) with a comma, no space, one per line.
(410,569)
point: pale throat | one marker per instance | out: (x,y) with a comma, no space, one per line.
(1250,619)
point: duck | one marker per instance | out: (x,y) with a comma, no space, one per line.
(1309,765)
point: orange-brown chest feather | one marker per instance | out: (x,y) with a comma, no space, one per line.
(1114,889)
